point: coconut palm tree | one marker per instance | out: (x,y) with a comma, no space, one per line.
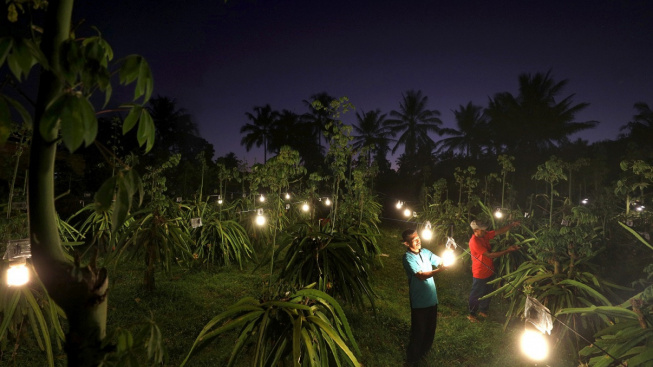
(537,119)
(472,135)
(414,121)
(371,131)
(261,130)
(640,129)
(318,118)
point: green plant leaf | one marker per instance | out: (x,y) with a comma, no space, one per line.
(121,206)
(104,196)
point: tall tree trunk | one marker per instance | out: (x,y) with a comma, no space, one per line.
(80,291)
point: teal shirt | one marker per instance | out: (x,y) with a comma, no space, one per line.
(422,292)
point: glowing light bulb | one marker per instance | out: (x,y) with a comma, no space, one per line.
(585,201)
(327,202)
(287,196)
(17,275)
(399,204)
(498,214)
(427,234)
(407,212)
(262,198)
(305,207)
(448,257)
(534,345)
(220,200)
(260,218)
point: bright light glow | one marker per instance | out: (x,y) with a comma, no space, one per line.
(220,200)
(498,214)
(287,196)
(448,257)
(305,207)
(427,234)
(262,198)
(399,204)
(534,345)
(327,202)
(408,212)
(640,208)
(585,201)
(260,218)
(17,275)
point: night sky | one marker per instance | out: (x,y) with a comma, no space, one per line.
(219,61)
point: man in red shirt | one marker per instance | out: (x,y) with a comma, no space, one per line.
(482,266)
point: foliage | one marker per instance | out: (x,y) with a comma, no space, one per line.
(335,261)
(627,338)
(29,305)
(306,328)
(145,347)
(157,238)
(218,241)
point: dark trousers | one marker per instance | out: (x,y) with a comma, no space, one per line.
(479,289)
(423,322)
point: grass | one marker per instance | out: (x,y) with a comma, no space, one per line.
(187,299)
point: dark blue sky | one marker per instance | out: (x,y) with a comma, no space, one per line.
(219,61)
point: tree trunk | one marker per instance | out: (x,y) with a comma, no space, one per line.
(80,291)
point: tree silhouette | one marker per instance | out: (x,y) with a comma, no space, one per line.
(371,131)
(536,119)
(472,135)
(414,121)
(318,118)
(640,129)
(260,131)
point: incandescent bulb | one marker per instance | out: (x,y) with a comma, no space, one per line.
(427,234)
(534,345)
(448,257)
(407,212)
(17,275)
(260,220)
(305,207)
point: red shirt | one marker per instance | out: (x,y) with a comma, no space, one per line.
(478,246)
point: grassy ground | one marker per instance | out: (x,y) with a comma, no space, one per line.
(187,299)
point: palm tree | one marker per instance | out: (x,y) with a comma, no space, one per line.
(536,118)
(370,131)
(640,129)
(318,118)
(261,130)
(414,122)
(174,126)
(472,135)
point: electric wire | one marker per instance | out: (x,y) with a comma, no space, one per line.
(516,289)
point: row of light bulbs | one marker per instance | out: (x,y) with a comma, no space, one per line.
(260,219)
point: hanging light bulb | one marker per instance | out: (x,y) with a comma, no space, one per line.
(287,196)
(498,213)
(260,218)
(427,233)
(262,198)
(585,201)
(305,207)
(408,212)
(399,204)
(220,201)
(17,274)
(534,345)
(448,257)
(327,202)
